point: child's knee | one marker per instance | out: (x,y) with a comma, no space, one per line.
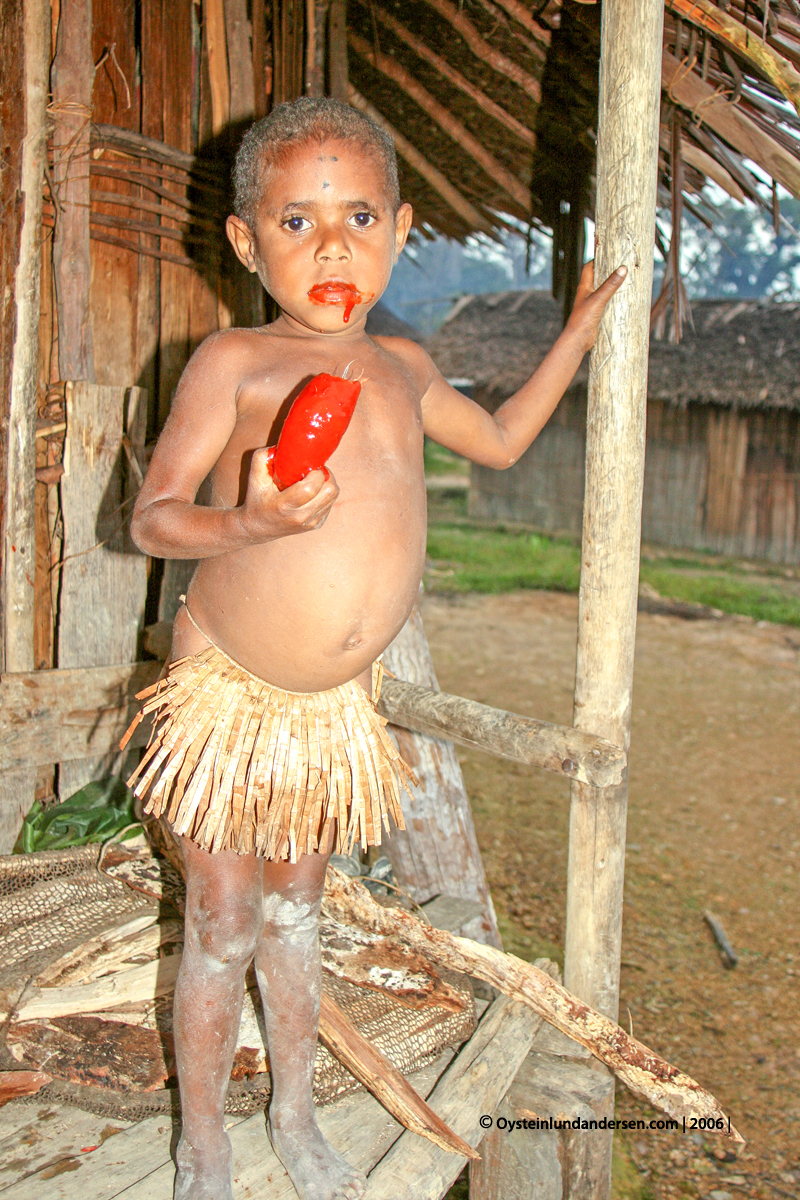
(294,918)
(228,934)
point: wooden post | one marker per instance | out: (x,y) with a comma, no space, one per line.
(17,788)
(627,148)
(438,853)
(337,50)
(72,82)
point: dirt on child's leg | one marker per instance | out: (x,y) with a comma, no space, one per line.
(289,973)
(224,922)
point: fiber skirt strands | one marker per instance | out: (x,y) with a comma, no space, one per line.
(237,764)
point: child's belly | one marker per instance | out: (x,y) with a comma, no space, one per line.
(314,610)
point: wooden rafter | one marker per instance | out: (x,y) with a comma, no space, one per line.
(488,106)
(481,49)
(778,70)
(522,15)
(420,164)
(389,67)
(710,108)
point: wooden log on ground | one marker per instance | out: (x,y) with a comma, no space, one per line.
(440,854)
(103,575)
(472,1085)
(48,716)
(640,1069)
(557,748)
(385,1082)
(145,982)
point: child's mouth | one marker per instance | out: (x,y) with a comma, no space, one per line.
(337,292)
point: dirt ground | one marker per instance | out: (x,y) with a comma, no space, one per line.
(714,802)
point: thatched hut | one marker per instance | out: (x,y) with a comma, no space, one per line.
(722,466)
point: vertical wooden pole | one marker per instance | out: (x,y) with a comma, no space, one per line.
(627,148)
(17,788)
(337,51)
(238,33)
(72,83)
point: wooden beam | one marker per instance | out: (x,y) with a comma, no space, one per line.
(420,47)
(392,69)
(217,43)
(557,748)
(486,53)
(627,171)
(259,59)
(473,1084)
(58,716)
(777,69)
(239,53)
(431,174)
(337,50)
(708,107)
(72,79)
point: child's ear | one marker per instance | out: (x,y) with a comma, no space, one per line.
(241,238)
(402,226)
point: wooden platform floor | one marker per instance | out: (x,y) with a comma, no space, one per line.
(46,1150)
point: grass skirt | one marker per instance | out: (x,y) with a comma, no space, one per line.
(234,763)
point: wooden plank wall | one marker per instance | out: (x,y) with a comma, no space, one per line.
(717,479)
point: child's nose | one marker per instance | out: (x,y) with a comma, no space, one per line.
(333,245)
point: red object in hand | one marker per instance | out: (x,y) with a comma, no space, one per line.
(313,428)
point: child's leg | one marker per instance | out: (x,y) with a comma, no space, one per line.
(289,974)
(224,922)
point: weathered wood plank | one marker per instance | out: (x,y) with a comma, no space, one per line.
(440,853)
(48,716)
(103,576)
(473,1085)
(38,1139)
(557,748)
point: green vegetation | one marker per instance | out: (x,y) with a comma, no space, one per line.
(466,557)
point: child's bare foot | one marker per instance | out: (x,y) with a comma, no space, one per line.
(204,1173)
(317,1171)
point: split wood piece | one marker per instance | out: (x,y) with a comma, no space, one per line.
(21,1083)
(777,69)
(481,49)
(432,175)
(217,53)
(727,953)
(139,144)
(646,1074)
(75,958)
(392,69)
(420,47)
(710,108)
(110,958)
(240,60)
(57,716)
(557,748)
(473,1084)
(386,1083)
(94,1051)
(146,982)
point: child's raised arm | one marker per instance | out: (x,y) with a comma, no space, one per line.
(166,521)
(498,439)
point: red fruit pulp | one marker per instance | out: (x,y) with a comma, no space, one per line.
(334,292)
(314,426)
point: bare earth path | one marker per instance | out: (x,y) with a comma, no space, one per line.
(714,823)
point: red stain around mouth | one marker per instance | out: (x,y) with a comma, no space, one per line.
(338,293)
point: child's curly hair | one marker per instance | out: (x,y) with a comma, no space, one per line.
(296,123)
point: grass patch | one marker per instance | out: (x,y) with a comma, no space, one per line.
(441,461)
(464,558)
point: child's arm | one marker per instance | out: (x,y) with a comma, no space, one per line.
(498,439)
(166,522)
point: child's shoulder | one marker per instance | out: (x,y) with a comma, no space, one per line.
(409,355)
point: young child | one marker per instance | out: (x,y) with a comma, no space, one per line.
(297,594)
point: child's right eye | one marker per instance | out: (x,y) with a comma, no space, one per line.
(296,224)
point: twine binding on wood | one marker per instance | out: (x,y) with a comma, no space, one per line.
(237,764)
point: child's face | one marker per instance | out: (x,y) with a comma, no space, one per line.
(324,216)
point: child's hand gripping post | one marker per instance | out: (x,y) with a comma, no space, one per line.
(590,304)
(306,490)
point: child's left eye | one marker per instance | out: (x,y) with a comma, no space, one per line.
(297,224)
(362,220)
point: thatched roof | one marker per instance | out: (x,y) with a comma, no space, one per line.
(520,79)
(383,322)
(742,353)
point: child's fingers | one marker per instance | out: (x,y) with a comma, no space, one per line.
(610,285)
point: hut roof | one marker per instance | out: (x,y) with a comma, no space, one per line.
(383,322)
(742,353)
